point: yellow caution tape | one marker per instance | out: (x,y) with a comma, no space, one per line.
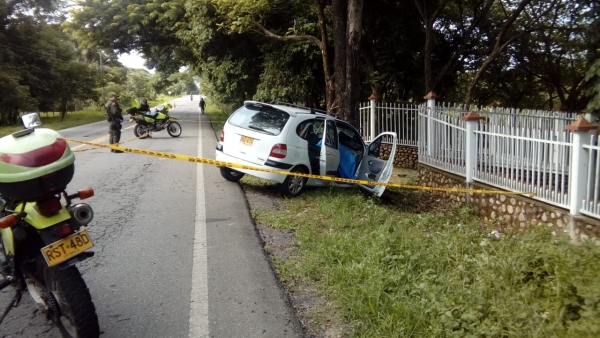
(217,163)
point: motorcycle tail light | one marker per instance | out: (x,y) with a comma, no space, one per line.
(48,207)
(63,231)
(38,157)
(8,221)
(279,151)
(222,138)
(85,193)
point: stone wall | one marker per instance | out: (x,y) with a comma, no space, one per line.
(503,210)
(406,156)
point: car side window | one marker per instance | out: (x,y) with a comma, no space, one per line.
(375,147)
(349,137)
(331,139)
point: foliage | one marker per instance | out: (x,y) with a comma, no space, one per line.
(390,273)
(593,77)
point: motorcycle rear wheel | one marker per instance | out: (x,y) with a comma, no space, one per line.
(76,317)
(139,130)
(174,129)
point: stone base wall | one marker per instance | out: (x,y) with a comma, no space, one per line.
(406,157)
(508,211)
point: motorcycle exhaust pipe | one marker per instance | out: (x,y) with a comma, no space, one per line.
(82,214)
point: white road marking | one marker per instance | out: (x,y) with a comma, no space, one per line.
(199,297)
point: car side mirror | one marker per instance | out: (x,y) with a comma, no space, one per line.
(31,120)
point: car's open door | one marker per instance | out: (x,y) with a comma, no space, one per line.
(330,153)
(374,167)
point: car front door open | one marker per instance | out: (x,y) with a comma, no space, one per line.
(376,166)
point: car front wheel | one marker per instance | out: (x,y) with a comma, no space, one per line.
(293,186)
(231,175)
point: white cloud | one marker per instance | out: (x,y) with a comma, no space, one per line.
(133,60)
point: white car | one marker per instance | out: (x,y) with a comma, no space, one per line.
(286,137)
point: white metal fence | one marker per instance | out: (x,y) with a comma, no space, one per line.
(591,202)
(513,149)
(400,118)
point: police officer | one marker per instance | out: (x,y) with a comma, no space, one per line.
(144,107)
(114,117)
(202,104)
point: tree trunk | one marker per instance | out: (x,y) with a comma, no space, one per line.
(354,23)
(339,12)
(329,81)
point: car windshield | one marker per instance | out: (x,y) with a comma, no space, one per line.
(260,118)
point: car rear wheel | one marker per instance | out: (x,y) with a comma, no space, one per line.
(231,175)
(293,186)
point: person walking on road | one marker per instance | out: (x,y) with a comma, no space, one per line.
(202,104)
(114,117)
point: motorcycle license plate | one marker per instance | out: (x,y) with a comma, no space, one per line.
(246,140)
(66,248)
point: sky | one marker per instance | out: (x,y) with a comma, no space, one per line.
(133,60)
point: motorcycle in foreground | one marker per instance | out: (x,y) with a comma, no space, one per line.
(156,120)
(43,231)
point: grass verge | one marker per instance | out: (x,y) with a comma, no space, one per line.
(388,269)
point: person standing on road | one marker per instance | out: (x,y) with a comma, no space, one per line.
(114,117)
(202,104)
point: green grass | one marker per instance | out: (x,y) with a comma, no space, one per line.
(391,272)
(77,118)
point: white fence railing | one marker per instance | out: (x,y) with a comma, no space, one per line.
(517,150)
(591,202)
(400,118)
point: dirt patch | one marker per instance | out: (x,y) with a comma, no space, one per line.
(312,311)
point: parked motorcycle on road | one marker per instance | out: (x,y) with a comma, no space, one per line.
(42,230)
(156,120)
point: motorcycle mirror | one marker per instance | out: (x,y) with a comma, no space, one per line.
(31,120)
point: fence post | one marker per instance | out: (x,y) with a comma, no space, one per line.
(579,167)
(373,100)
(430,97)
(471,120)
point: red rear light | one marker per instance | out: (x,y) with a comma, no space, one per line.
(222,138)
(8,221)
(279,151)
(38,157)
(85,193)
(49,206)
(63,231)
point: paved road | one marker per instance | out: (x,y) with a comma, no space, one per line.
(176,252)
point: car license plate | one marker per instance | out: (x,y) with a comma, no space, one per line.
(247,140)
(66,248)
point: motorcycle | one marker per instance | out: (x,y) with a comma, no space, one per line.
(156,120)
(42,231)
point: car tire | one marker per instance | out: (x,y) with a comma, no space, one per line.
(293,186)
(231,175)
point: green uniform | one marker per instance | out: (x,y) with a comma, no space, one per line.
(114,117)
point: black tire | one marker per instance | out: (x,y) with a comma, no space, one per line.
(293,186)
(174,129)
(139,130)
(76,316)
(231,175)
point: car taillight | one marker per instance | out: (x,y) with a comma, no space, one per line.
(279,151)
(38,157)
(222,138)
(49,206)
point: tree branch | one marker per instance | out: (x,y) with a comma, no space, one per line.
(288,38)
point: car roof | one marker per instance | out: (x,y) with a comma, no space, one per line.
(291,109)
